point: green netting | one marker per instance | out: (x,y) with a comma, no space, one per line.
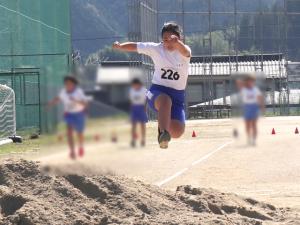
(35,45)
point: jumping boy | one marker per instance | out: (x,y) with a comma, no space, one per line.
(166,96)
(137,95)
(253,103)
(75,103)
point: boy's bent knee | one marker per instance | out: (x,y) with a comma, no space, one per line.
(176,129)
(176,134)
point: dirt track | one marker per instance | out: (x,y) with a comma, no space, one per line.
(268,172)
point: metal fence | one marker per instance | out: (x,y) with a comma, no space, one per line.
(26,85)
(35,34)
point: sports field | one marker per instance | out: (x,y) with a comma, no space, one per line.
(213,159)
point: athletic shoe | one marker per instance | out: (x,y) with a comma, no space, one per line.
(164,139)
(235,133)
(72,155)
(158,134)
(132,144)
(253,143)
(81,152)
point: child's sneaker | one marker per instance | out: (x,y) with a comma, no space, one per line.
(132,143)
(72,155)
(164,139)
(81,152)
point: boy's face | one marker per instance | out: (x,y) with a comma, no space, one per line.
(167,41)
(249,83)
(69,86)
(136,86)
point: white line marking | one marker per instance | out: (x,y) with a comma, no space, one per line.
(177,174)
(210,154)
(171,177)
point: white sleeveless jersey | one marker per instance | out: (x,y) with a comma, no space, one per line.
(250,96)
(171,67)
(138,97)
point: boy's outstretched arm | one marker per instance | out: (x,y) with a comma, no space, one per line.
(126,47)
(53,102)
(180,46)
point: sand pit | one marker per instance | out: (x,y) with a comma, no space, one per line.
(32,195)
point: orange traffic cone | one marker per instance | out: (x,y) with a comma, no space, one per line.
(273,131)
(296,131)
(194,134)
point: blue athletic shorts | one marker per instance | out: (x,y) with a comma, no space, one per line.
(177,97)
(251,111)
(138,114)
(75,120)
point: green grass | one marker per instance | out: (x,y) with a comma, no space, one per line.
(27,145)
(94,126)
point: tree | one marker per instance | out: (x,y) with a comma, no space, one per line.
(201,43)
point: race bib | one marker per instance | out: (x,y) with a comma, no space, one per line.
(169,74)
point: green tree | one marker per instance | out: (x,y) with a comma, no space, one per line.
(200,44)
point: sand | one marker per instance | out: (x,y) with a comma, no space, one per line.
(31,194)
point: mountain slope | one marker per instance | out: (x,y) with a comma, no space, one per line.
(94,22)
(100,22)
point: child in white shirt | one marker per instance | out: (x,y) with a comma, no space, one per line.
(75,102)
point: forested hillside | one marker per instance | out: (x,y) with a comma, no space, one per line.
(97,23)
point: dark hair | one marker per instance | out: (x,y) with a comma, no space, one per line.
(71,79)
(136,81)
(173,28)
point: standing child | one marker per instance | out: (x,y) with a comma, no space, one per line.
(75,103)
(138,114)
(166,96)
(252,104)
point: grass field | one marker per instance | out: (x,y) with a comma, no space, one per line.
(101,128)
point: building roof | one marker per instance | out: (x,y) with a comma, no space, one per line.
(294,98)
(238,58)
(269,68)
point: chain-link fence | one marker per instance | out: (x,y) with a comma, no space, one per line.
(35,45)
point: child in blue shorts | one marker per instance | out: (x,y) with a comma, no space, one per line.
(138,113)
(253,103)
(75,103)
(166,96)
